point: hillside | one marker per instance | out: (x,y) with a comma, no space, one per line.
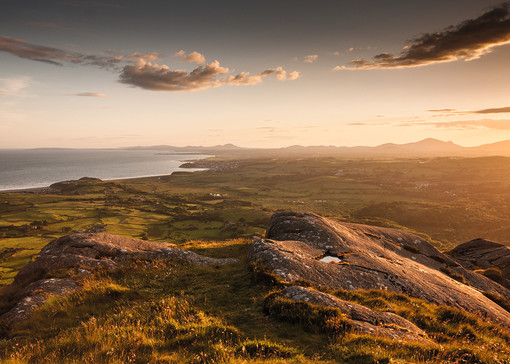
(126,284)
(115,299)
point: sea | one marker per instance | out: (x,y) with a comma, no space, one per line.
(31,168)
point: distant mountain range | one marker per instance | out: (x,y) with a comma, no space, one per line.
(424,148)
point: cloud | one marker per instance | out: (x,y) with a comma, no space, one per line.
(193,57)
(55,56)
(153,56)
(154,77)
(443,110)
(311,58)
(138,69)
(493,124)
(34,52)
(161,78)
(294,75)
(13,86)
(466,41)
(89,94)
(495,110)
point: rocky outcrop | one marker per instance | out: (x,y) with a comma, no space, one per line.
(484,254)
(304,246)
(35,294)
(363,319)
(84,252)
(104,250)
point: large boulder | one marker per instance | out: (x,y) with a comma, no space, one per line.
(93,250)
(84,252)
(338,255)
(484,254)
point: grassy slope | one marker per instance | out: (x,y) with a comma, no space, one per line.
(173,312)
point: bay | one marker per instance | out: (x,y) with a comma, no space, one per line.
(31,168)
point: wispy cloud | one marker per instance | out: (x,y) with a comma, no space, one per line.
(193,57)
(493,124)
(153,56)
(495,110)
(55,56)
(156,77)
(139,69)
(311,58)
(466,41)
(13,86)
(89,94)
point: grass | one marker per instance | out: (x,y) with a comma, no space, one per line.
(166,311)
(157,312)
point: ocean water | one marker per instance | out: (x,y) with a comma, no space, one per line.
(42,167)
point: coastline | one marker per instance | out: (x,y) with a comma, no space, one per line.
(185,167)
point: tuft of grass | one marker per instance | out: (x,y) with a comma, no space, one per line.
(313,317)
(493,273)
(458,277)
(500,300)
(264,349)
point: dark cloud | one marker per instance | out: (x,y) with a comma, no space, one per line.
(443,110)
(496,110)
(55,56)
(34,52)
(467,40)
(161,78)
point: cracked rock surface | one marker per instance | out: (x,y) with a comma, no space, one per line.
(370,257)
(35,294)
(84,252)
(363,319)
(92,250)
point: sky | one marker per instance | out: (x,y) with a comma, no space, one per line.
(114,73)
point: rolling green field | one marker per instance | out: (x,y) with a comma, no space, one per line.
(447,200)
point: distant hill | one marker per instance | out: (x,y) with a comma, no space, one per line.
(429,147)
